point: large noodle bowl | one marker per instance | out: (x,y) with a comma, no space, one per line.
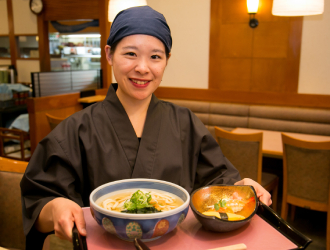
(159,200)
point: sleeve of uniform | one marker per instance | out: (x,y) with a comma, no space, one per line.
(212,167)
(50,174)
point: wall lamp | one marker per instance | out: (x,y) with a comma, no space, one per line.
(252,9)
(115,6)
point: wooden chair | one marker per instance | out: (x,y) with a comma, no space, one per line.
(18,135)
(11,226)
(244,151)
(53,120)
(306,177)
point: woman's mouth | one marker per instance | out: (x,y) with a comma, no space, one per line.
(140,83)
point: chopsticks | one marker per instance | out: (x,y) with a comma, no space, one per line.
(78,241)
(231,247)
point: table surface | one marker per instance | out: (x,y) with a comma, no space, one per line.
(91,99)
(257,234)
(272,140)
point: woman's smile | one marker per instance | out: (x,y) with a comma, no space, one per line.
(140,83)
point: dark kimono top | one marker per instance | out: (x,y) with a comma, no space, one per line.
(99,145)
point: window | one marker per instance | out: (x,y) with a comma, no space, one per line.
(28,46)
(74,51)
(4,46)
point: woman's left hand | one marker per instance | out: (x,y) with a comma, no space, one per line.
(263,195)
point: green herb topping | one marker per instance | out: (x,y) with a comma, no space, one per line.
(139,203)
(221,203)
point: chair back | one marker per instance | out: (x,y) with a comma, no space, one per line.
(11,224)
(244,151)
(53,120)
(18,135)
(306,173)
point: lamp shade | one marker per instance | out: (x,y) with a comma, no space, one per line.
(252,6)
(297,7)
(115,6)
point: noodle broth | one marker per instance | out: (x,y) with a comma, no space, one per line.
(163,201)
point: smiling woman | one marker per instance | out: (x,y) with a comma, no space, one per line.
(131,134)
(138,63)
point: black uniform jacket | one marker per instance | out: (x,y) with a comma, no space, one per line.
(99,145)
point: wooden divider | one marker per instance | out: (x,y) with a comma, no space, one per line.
(57,105)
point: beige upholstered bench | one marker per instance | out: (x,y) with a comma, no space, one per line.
(286,119)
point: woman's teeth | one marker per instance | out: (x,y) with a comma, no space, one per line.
(139,82)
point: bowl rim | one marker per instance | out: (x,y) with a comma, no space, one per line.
(139,216)
(216,218)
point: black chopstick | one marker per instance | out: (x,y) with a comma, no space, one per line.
(78,241)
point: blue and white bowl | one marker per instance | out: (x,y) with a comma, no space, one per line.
(146,227)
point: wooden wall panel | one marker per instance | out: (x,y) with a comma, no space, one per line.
(240,79)
(70,10)
(268,74)
(265,58)
(272,44)
(237,41)
(233,15)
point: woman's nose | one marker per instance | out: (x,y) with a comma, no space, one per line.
(142,66)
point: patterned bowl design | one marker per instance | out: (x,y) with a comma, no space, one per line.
(205,196)
(146,227)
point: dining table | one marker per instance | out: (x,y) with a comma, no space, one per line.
(272,140)
(190,235)
(91,99)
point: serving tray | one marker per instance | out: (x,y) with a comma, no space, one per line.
(266,230)
(268,214)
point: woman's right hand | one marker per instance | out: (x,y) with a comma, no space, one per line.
(59,215)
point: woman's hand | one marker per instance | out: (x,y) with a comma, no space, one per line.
(59,215)
(263,195)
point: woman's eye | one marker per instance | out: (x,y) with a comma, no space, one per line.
(130,54)
(155,57)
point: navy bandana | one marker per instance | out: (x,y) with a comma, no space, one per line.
(140,20)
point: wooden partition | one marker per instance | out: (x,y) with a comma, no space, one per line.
(57,105)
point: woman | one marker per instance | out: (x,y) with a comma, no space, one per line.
(131,134)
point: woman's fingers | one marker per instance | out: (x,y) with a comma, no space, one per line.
(65,214)
(263,195)
(80,222)
(265,198)
(63,225)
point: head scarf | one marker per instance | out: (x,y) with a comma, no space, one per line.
(140,20)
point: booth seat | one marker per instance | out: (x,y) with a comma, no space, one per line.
(277,118)
(224,115)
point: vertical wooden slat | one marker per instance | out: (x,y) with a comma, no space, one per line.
(104,31)
(214,35)
(12,42)
(44,56)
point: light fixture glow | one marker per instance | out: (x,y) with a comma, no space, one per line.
(115,6)
(297,7)
(252,6)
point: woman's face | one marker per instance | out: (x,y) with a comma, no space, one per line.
(138,64)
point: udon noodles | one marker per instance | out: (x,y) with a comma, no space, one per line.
(140,201)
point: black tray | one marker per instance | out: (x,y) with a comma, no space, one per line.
(265,212)
(269,215)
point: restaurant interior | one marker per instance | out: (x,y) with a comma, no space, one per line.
(258,76)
